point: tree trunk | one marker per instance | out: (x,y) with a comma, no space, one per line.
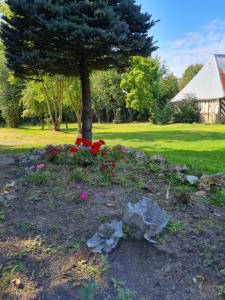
(66,117)
(86,103)
(42,124)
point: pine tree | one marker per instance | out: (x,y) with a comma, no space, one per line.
(73,38)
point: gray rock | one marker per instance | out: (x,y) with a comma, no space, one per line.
(107,237)
(140,156)
(3,201)
(206,182)
(145,219)
(157,159)
(201,194)
(193,180)
(178,168)
(11,197)
(27,160)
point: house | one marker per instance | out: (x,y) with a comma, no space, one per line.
(208,88)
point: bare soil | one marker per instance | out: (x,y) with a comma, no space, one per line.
(43,234)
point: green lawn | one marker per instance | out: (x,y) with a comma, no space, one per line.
(201,147)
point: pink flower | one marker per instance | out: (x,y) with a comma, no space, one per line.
(124,150)
(40,166)
(84,196)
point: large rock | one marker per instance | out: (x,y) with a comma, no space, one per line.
(107,237)
(145,219)
(207,182)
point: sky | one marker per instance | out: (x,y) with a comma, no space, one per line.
(189,31)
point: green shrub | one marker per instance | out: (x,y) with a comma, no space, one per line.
(186,112)
(163,115)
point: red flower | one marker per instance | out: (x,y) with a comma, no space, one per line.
(101,142)
(73,150)
(94,151)
(113,164)
(87,143)
(96,145)
(103,152)
(79,141)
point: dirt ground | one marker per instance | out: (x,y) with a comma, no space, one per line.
(44,228)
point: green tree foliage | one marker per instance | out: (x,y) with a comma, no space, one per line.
(74,99)
(141,84)
(33,101)
(186,111)
(168,87)
(75,37)
(10,94)
(189,73)
(48,96)
(107,96)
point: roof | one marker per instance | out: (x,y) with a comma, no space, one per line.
(208,83)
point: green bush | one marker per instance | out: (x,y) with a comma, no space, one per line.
(163,115)
(186,112)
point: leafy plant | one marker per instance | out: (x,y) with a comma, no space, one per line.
(218,198)
(38,178)
(88,291)
(2,215)
(78,175)
(176,226)
(185,111)
(221,289)
(122,292)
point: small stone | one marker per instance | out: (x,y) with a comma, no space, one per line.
(140,156)
(201,194)
(216,215)
(2,200)
(11,197)
(178,168)
(191,179)
(149,187)
(110,204)
(157,159)
(18,283)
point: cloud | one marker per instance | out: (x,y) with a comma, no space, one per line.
(195,47)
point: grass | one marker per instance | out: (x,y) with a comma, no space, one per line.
(201,147)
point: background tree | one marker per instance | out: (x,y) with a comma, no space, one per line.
(188,74)
(107,95)
(33,101)
(73,92)
(168,88)
(10,94)
(74,38)
(141,84)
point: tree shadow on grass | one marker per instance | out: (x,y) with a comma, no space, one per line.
(13,150)
(147,136)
